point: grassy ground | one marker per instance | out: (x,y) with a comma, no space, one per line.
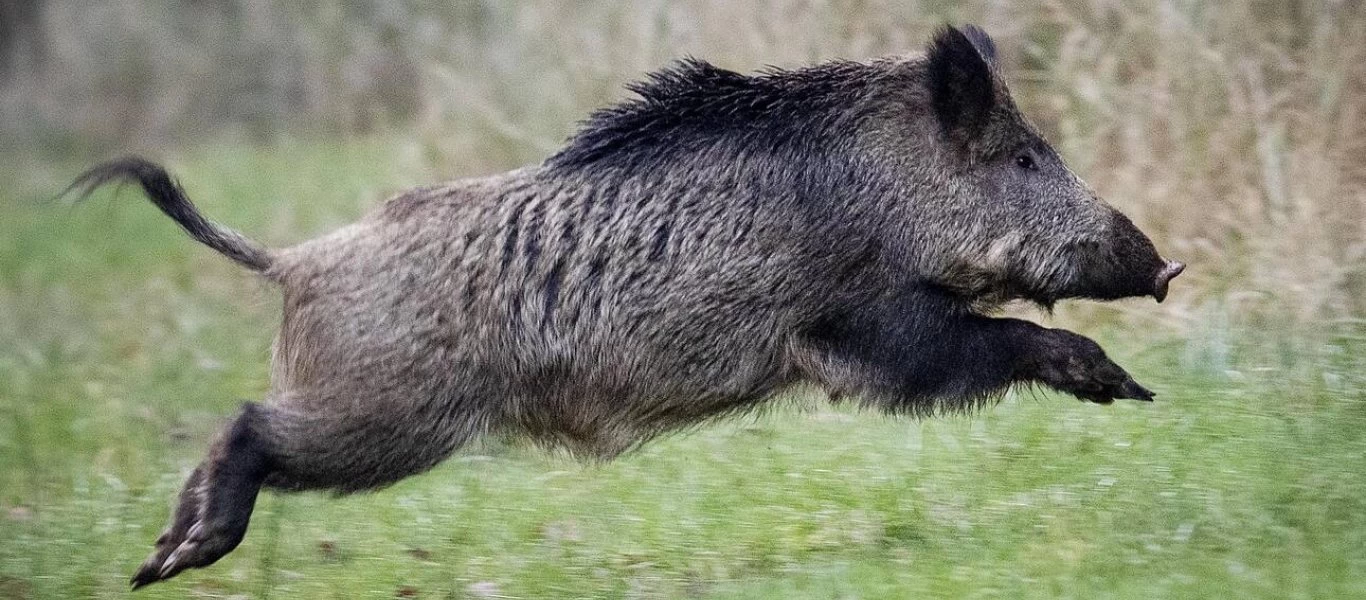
(124,346)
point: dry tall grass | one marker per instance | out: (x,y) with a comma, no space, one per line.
(1234,131)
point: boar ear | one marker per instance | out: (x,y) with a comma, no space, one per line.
(962,88)
(982,42)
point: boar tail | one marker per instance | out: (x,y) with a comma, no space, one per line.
(168,196)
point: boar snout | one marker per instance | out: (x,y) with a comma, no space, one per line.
(1124,263)
(1165,276)
(1131,390)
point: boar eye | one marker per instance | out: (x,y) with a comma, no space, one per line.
(1025,161)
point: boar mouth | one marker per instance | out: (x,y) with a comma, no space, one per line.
(1082,270)
(1116,282)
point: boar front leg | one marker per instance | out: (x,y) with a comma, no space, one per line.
(925,351)
(1074,364)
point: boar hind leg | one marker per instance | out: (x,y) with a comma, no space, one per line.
(323,446)
(293,445)
(215,504)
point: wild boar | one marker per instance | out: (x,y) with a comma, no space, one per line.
(692,252)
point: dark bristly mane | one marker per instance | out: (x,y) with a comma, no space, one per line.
(694,105)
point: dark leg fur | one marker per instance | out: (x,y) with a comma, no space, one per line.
(925,351)
(1076,365)
(348,452)
(286,450)
(215,504)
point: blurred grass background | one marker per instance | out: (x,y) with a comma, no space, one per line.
(1233,132)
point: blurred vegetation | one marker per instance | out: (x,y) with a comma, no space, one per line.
(1232,131)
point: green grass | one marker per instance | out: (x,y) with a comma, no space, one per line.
(124,346)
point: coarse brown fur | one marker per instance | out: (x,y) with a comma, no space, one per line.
(691,253)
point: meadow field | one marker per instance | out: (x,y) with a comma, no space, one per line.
(1233,132)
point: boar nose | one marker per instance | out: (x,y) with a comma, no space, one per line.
(1165,277)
